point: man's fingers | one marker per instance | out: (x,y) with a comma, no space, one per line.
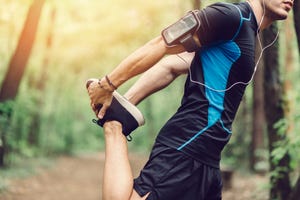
(97,108)
(93,105)
(89,81)
(100,98)
(102,111)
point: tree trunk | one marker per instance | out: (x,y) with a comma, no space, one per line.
(258,121)
(5,114)
(2,148)
(296,9)
(295,194)
(288,85)
(289,70)
(19,60)
(274,108)
(33,135)
(16,68)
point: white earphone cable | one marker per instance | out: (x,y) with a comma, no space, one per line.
(255,67)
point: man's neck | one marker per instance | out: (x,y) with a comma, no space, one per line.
(259,10)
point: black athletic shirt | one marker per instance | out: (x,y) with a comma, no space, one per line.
(201,127)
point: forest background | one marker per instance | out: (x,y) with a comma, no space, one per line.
(49,112)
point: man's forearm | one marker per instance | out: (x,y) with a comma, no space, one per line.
(136,63)
(159,76)
(151,81)
(141,60)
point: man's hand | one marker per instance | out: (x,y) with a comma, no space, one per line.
(100,96)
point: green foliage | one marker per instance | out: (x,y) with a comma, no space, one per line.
(6,109)
(288,128)
(87,41)
(281,147)
(236,152)
(90,38)
(288,147)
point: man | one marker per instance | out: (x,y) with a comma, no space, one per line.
(184,162)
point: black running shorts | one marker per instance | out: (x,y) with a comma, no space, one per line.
(171,175)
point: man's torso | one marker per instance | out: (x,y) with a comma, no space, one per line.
(201,127)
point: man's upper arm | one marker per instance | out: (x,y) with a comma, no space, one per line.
(177,64)
(219,22)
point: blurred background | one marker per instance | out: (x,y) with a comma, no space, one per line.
(48,49)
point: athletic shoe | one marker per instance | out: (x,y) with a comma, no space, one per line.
(123,111)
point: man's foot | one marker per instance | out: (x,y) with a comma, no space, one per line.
(121,110)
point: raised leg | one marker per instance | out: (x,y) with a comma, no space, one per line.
(117,178)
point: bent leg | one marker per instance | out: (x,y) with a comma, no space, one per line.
(117,177)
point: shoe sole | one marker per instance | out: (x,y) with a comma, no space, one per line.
(132,109)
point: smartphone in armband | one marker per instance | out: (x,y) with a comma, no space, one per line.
(182,31)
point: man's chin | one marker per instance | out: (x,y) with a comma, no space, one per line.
(281,16)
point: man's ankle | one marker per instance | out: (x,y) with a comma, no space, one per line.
(112,128)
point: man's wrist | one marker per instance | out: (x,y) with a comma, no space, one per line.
(103,84)
(110,83)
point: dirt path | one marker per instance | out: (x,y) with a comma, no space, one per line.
(79,178)
(72,178)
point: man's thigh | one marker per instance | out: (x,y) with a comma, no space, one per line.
(170,174)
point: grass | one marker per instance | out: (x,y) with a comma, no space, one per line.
(20,167)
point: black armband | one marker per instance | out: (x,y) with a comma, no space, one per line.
(182,31)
